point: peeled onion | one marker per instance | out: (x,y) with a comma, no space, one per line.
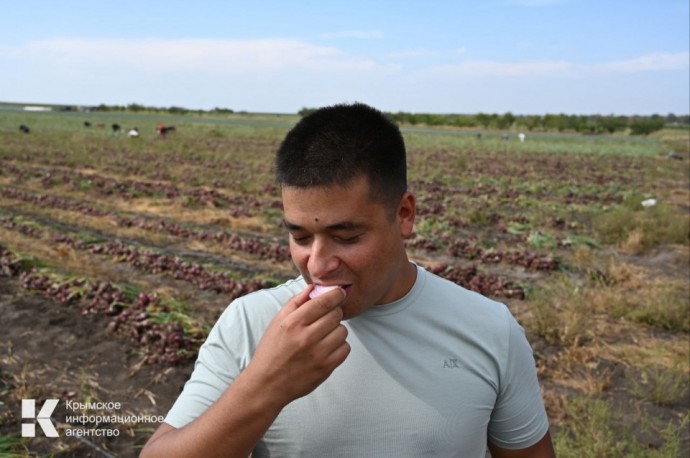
(321,289)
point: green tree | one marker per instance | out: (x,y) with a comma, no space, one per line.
(613,124)
(177,110)
(505,121)
(483,119)
(135,107)
(646,126)
(531,122)
(306,111)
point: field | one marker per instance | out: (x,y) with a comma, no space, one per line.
(117,255)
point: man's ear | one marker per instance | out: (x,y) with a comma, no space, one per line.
(406,214)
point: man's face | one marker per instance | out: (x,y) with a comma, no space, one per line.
(340,236)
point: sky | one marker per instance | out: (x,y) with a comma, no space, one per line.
(621,57)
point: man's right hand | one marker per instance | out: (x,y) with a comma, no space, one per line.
(301,346)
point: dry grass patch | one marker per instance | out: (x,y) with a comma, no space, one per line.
(661,304)
(66,260)
(197,216)
(593,429)
(676,139)
(638,346)
(621,289)
(661,385)
(656,364)
(561,312)
(633,227)
(579,368)
(680,196)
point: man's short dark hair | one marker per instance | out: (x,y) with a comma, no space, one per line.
(336,144)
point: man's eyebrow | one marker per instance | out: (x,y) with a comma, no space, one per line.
(290,226)
(346,226)
(341,226)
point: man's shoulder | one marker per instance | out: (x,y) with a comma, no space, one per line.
(449,291)
(467,308)
(479,319)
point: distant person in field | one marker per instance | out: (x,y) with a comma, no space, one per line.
(164,130)
(365,354)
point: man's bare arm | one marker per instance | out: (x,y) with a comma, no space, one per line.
(231,427)
(542,449)
(301,347)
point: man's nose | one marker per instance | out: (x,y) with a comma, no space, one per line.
(323,260)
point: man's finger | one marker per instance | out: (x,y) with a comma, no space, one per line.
(294,303)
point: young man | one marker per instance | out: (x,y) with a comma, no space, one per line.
(392,362)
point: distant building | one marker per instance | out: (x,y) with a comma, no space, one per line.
(37,108)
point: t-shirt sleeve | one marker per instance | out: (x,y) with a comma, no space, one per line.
(519,419)
(228,349)
(217,365)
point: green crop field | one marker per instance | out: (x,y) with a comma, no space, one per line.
(117,254)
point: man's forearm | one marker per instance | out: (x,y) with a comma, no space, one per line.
(231,427)
(299,349)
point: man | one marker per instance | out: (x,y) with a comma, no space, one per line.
(391,362)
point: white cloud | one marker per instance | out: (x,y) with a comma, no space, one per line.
(286,74)
(267,56)
(490,68)
(269,74)
(645,63)
(196,55)
(649,62)
(426,52)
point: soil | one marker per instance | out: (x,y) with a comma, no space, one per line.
(49,351)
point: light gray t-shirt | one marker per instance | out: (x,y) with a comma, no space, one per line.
(435,373)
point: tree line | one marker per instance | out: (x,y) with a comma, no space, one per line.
(138,108)
(584,124)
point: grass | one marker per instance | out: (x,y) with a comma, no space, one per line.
(636,228)
(664,306)
(536,143)
(661,385)
(12,446)
(561,312)
(677,139)
(624,291)
(595,431)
